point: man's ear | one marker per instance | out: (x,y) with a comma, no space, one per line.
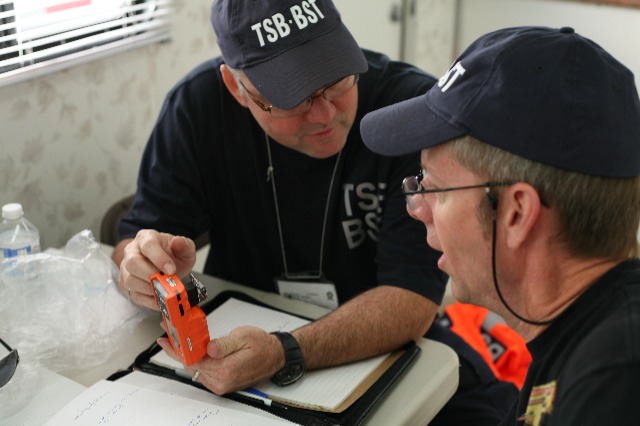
(521,212)
(232,85)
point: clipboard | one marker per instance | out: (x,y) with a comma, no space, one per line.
(353,415)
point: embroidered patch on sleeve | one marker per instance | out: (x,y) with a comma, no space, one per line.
(540,404)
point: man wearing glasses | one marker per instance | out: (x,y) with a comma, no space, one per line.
(530,186)
(258,148)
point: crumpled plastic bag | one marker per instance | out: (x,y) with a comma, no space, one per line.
(62,310)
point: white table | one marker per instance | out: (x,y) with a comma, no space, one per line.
(418,396)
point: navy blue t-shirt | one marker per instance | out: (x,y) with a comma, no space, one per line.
(586,366)
(204,169)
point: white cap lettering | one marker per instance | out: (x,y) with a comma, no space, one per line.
(256,28)
(451,76)
(277,27)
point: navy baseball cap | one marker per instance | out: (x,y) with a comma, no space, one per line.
(287,48)
(548,95)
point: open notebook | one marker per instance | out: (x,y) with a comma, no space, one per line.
(343,395)
(144,399)
(331,390)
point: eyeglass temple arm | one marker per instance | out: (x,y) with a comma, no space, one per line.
(6,345)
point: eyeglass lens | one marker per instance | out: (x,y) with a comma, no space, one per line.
(410,184)
(339,88)
(8,364)
(330,93)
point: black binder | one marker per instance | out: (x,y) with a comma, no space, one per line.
(352,416)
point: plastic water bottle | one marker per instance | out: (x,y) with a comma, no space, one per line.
(18,237)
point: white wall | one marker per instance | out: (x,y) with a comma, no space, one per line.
(361,16)
(429,38)
(435,35)
(615,28)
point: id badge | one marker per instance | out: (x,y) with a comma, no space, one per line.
(308,288)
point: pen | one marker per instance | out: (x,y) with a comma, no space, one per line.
(250,393)
(257,395)
(256,392)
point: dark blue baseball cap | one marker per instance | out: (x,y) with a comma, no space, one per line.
(288,49)
(549,95)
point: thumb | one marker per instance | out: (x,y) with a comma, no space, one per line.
(184,253)
(182,247)
(222,347)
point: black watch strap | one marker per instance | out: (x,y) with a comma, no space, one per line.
(294,366)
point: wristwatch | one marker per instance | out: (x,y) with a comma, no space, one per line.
(294,366)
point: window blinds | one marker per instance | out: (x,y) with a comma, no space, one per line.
(42,36)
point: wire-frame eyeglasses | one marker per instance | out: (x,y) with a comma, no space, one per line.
(8,364)
(412,186)
(330,93)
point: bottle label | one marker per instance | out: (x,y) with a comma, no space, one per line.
(9,252)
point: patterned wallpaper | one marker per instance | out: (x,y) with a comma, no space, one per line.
(71,141)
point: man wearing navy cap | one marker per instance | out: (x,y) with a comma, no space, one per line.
(529,185)
(259,150)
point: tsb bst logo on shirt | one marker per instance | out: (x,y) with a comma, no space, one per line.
(363,208)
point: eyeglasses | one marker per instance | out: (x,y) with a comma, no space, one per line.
(330,93)
(412,186)
(8,364)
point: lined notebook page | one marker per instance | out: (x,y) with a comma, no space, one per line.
(321,389)
(117,403)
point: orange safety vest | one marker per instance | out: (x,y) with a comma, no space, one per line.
(504,350)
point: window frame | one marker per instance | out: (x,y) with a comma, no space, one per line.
(38,37)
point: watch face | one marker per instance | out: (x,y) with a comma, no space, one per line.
(294,362)
(289,374)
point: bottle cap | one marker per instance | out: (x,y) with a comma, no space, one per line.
(12,211)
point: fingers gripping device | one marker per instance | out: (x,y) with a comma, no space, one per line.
(185,322)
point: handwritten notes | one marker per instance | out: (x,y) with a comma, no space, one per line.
(114,403)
